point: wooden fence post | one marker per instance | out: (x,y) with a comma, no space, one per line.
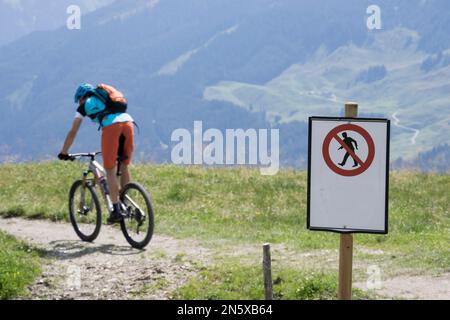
(267,270)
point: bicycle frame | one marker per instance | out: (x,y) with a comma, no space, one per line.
(99,178)
(99,173)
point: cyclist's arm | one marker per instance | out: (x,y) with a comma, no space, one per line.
(71,135)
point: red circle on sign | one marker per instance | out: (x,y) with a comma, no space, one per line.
(363,165)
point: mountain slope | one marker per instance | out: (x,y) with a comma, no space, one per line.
(402,90)
(257,63)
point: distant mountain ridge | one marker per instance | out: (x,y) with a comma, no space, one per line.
(21,17)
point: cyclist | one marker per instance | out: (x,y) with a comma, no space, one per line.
(114,126)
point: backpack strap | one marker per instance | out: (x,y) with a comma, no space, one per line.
(99,96)
(100,116)
(137,127)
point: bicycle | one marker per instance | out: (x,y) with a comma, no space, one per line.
(133,200)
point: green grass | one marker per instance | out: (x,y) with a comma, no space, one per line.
(19,266)
(232,281)
(239,208)
(243,207)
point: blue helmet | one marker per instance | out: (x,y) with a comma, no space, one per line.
(82,90)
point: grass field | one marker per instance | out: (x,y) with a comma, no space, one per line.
(233,280)
(19,266)
(231,209)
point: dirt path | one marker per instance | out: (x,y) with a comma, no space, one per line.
(108,268)
(111,269)
(414,287)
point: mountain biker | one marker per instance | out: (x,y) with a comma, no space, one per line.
(113,125)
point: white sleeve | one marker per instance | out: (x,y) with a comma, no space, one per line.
(78,115)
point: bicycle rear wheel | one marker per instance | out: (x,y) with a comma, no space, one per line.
(138,223)
(85,211)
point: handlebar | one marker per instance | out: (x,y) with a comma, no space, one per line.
(74,156)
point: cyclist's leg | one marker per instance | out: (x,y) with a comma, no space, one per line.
(110,146)
(126,176)
(113,185)
(128,132)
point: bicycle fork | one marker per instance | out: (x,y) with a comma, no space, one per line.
(82,203)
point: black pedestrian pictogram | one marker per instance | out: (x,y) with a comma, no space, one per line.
(349,145)
(349,142)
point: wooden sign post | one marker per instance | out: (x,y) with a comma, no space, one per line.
(345,267)
(348,180)
(346,243)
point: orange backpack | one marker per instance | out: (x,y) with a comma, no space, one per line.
(113,99)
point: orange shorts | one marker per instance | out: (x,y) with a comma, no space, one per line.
(110,143)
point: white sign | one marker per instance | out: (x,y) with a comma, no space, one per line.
(348,174)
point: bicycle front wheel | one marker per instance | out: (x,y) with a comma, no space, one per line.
(138,223)
(85,211)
